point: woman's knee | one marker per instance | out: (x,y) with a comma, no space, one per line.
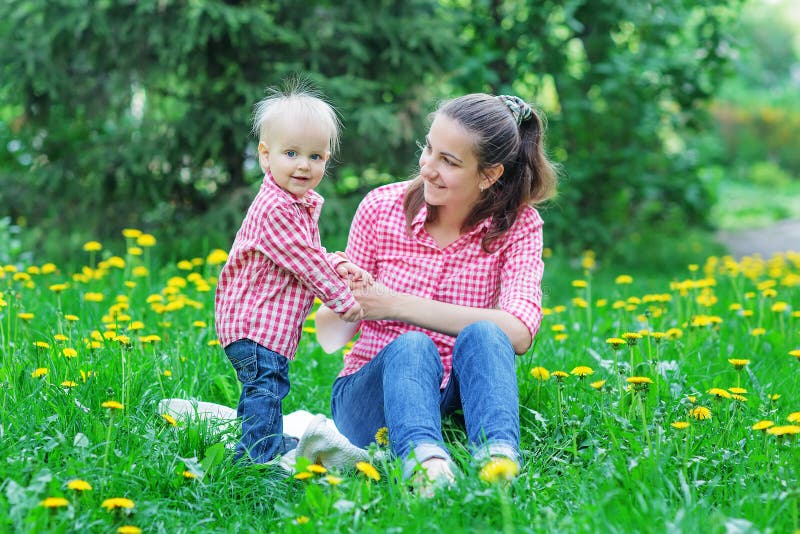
(413,350)
(483,333)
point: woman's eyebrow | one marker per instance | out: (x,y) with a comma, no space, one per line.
(448,154)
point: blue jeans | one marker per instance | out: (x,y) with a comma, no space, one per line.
(399,389)
(264,375)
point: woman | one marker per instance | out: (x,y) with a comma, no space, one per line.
(456,258)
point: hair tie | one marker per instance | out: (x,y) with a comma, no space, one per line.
(519,109)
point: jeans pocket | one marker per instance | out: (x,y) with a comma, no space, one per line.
(244,360)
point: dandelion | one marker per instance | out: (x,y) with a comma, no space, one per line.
(93,297)
(560,337)
(185,265)
(39,372)
(135,251)
(738,391)
(580,283)
(762,425)
(131,233)
(795,353)
(303,475)
(69,352)
(540,373)
(146,241)
(738,364)
(598,385)
(560,375)
(54,502)
(700,413)
(112,405)
(71,318)
(774,396)
(615,342)
(674,333)
(317,469)
(794,417)
(582,371)
(92,246)
(368,470)
(217,257)
(117,502)
(786,430)
(169,419)
(740,398)
(213,343)
(333,480)
(41,344)
(719,393)
(129,529)
(79,485)
(188,475)
(636,380)
(499,470)
(631,338)
(58,288)
(68,384)
(623,279)
(382,436)
(302,519)
(680,425)
(755,332)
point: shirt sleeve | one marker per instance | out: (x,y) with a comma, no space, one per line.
(521,278)
(362,240)
(286,243)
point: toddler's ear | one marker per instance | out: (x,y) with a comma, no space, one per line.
(263,156)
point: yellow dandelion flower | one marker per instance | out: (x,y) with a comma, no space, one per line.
(303,475)
(146,241)
(49,268)
(169,419)
(167,373)
(200,324)
(131,233)
(317,469)
(333,480)
(601,303)
(41,344)
(631,338)
(795,353)
(188,474)
(738,364)
(700,413)
(92,246)
(540,373)
(68,384)
(623,279)
(674,333)
(58,288)
(580,303)
(213,343)
(39,372)
(738,391)
(582,371)
(93,297)
(499,470)
(615,342)
(658,336)
(368,470)
(558,328)
(680,425)
(560,337)
(136,325)
(598,385)
(560,375)
(60,337)
(774,396)
(755,332)
(71,318)
(762,425)
(129,529)
(69,352)
(719,393)
(302,519)
(693,267)
(112,405)
(25,316)
(217,257)
(54,502)
(794,417)
(117,502)
(185,265)
(135,251)
(638,380)
(785,430)
(580,283)
(79,485)
(140,271)
(382,436)
(740,398)
(560,308)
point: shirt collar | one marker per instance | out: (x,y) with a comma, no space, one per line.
(418,223)
(312,199)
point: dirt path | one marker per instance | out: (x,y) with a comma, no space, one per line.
(779,237)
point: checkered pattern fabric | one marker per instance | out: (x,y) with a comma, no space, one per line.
(274,270)
(461,273)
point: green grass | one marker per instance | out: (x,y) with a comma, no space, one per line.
(745,205)
(594,460)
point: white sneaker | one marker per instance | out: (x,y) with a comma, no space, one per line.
(435,474)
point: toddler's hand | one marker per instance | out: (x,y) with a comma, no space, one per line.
(354,314)
(353,274)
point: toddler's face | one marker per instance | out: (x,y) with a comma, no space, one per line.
(295,152)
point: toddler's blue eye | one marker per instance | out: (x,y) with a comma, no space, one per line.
(291,153)
(315,157)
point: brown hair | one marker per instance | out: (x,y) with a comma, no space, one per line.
(502,136)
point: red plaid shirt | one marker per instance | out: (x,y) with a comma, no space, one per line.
(461,273)
(275,268)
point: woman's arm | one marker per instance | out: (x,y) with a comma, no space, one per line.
(381,303)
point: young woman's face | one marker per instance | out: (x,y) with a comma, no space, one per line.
(449,167)
(295,152)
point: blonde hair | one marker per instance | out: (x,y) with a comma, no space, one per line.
(298,100)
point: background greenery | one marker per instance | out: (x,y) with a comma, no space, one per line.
(136,114)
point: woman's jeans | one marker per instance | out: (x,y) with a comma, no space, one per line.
(264,375)
(399,389)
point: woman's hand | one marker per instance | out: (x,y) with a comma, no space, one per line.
(377,301)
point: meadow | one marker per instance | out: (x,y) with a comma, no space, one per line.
(664,404)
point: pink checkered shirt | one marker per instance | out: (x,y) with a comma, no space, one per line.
(274,270)
(461,273)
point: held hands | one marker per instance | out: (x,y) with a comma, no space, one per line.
(353,315)
(356,276)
